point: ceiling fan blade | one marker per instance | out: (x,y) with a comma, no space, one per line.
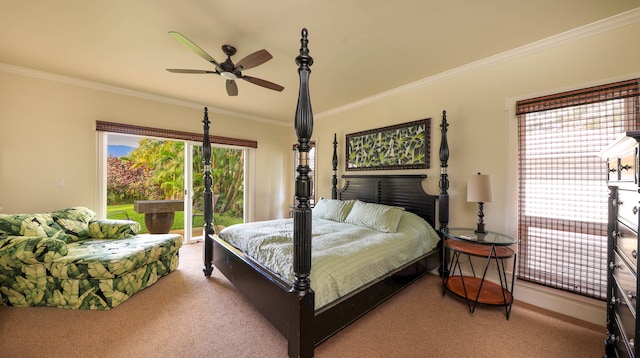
(193,47)
(179,70)
(232,88)
(263,83)
(253,60)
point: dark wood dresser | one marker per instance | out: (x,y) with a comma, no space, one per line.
(622,249)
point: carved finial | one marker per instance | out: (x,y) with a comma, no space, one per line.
(206,141)
(304,114)
(444,123)
(334,164)
(206,118)
(304,60)
(334,161)
(444,145)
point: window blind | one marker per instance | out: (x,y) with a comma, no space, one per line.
(562,193)
(170,134)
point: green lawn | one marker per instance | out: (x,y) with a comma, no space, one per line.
(122,211)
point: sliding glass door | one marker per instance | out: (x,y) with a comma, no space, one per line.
(228,177)
(144,168)
(193,213)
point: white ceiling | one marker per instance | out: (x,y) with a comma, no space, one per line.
(361,48)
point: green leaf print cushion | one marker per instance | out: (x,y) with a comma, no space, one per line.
(74,222)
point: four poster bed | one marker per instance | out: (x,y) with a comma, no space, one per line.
(283,292)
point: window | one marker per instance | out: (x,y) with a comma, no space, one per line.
(562,194)
(312,171)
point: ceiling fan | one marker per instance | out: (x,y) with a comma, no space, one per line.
(228,69)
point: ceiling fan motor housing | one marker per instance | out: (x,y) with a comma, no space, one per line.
(228,50)
(227,67)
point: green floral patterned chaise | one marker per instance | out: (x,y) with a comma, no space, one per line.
(70,259)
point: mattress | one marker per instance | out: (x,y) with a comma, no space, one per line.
(344,256)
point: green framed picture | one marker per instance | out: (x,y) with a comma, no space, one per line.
(400,146)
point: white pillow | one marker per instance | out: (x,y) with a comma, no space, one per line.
(378,217)
(332,209)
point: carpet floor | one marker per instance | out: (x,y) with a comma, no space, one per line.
(187,315)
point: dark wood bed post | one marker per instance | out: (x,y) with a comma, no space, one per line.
(334,164)
(301,338)
(443,199)
(208,198)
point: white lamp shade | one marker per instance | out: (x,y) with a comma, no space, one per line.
(479,189)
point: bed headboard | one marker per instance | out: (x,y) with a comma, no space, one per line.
(396,190)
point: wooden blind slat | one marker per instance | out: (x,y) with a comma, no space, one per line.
(623,89)
(170,134)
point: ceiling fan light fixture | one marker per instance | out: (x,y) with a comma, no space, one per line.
(227,69)
(228,75)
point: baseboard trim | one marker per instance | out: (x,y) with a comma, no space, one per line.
(564,303)
(579,307)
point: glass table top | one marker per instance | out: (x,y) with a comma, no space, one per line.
(490,238)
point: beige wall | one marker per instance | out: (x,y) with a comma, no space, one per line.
(47,132)
(482,133)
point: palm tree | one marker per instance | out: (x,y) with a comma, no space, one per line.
(165,157)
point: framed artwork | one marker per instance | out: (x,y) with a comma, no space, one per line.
(400,146)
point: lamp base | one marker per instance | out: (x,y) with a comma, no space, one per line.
(480,229)
(480,226)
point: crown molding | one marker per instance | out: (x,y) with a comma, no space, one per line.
(604,25)
(23,71)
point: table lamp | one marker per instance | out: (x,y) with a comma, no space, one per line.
(479,191)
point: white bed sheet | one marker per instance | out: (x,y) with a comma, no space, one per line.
(344,257)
